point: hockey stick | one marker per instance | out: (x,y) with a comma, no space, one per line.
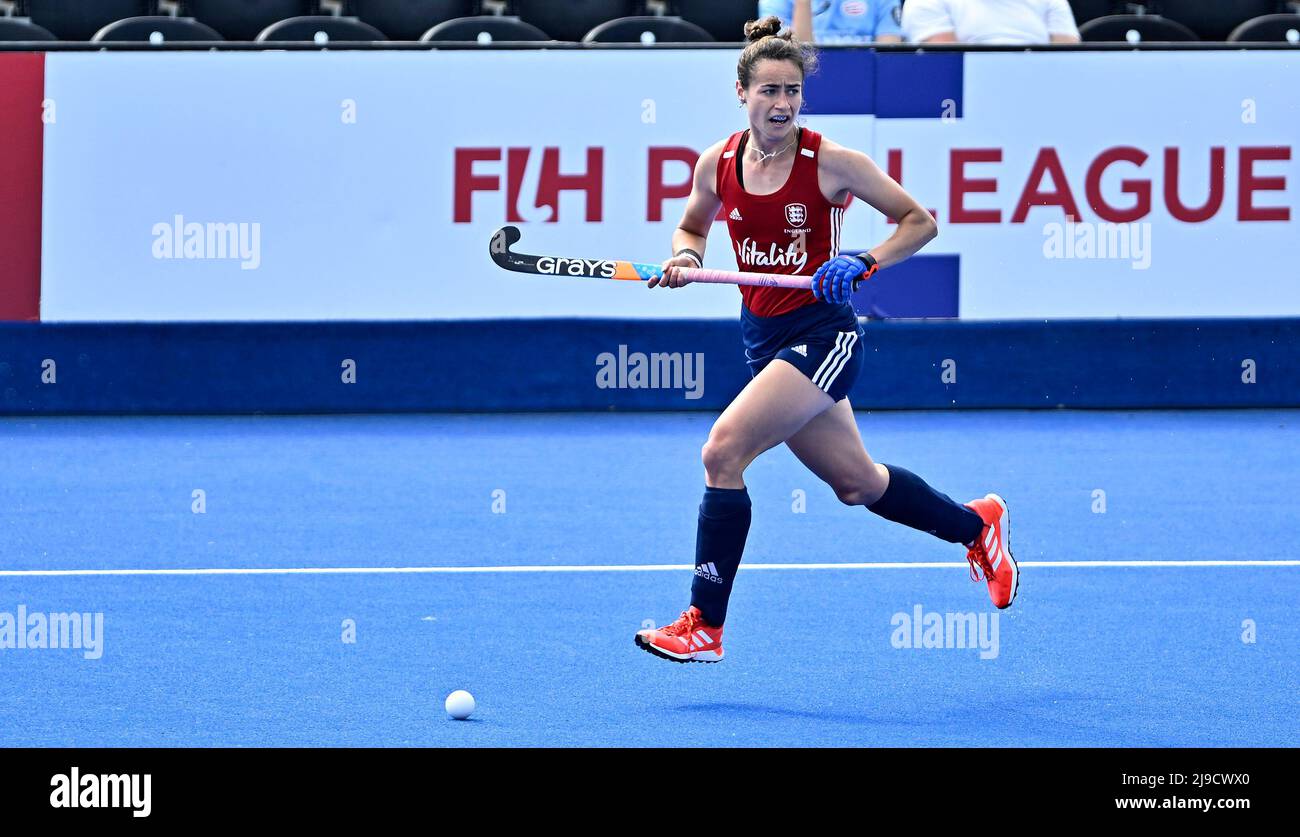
(506,237)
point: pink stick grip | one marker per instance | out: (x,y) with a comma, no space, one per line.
(732,277)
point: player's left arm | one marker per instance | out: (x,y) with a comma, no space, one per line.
(856,172)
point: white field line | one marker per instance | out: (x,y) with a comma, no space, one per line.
(627,568)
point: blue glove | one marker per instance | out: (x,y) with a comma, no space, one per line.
(837,279)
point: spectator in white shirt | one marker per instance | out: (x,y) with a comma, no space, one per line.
(989,22)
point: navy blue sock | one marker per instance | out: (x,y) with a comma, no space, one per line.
(909,500)
(719,543)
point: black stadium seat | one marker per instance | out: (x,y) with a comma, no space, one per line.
(407,20)
(1268,28)
(572,19)
(1214,20)
(242,20)
(169,28)
(310,27)
(1086,10)
(484,29)
(1149,28)
(22,29)
(655,29)
(723,19)
(78,20)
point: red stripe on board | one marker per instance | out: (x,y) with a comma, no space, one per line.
(22,88)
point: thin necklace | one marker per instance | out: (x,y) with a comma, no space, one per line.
(763,156)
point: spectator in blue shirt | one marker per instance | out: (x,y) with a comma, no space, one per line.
(838,21)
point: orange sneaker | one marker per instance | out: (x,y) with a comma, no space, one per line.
(688,640)
(990,556)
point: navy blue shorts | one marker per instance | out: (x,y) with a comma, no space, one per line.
(822,341)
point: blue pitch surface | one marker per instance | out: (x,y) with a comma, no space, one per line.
(1087,656)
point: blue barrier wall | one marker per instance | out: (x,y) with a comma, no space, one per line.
(575,364)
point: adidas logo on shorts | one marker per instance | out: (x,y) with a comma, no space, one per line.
(708,572)
(801,349)
(735,215)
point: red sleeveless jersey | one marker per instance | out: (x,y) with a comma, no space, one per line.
(791,231)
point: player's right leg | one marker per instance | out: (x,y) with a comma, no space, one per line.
(774,405)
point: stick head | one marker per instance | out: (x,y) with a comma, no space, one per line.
(502,240)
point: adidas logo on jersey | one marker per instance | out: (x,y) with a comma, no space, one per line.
(801,349)
(708,572)
(735,215)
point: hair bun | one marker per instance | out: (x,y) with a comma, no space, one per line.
(756,30)
(769,42)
